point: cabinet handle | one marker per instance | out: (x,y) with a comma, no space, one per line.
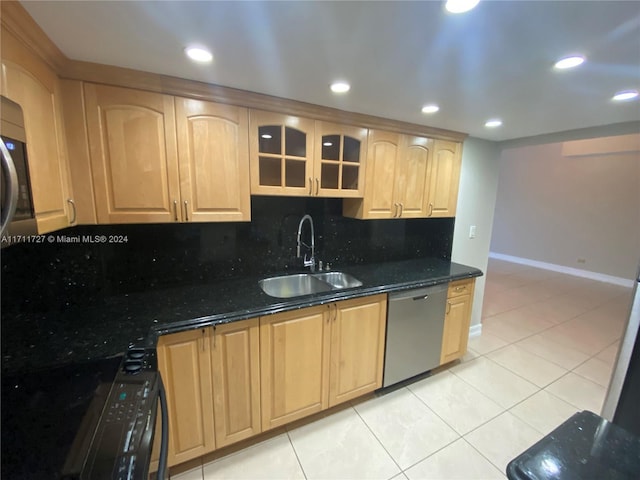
(214,336)
(186,211)
(317,186)
(175,209)
(75,212)
(395,210)
(329,316)
(459,289)
(401,210)
(310,186)
(430,209)
(335,312)
(448,307)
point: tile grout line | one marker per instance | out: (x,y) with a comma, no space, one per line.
(377,439)
(295,452)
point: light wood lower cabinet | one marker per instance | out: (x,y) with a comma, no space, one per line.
(357,347)
(230,382)
(294,363)
(457,319)
(185,366)
(235,356)
(213,392)
(319,357)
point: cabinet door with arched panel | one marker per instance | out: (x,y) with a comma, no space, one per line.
(281,154)
(340,153)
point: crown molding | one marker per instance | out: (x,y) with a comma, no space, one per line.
(18,21)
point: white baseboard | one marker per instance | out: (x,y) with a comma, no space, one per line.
(475,330)
(576,272)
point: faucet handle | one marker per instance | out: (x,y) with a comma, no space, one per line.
(311,262)
(320,265)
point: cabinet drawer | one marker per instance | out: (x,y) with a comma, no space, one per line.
(460,287)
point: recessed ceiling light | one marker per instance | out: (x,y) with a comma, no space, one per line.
(430,108)
(569,62)
(493,123)
(266,136)
(625,95)
(198,54)
(340,87)
(327,144)
(460,6)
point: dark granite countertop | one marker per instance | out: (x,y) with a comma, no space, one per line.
(81,334)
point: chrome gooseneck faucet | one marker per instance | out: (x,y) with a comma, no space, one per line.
(311,262)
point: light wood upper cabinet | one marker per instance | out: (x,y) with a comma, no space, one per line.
(457,319)
(412,176)
(357,347)
(397,177)
(379,192)
(281,154)
(132,138)
(185,365)
(157,159)
(339,160)
(444,179)
(294,354)
(30,83)
(213,155)
(235,358)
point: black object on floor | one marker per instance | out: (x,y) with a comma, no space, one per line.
(584,447)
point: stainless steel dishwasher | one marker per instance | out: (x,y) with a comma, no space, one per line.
(414,332)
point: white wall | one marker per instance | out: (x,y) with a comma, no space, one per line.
(558,209)
(476,202)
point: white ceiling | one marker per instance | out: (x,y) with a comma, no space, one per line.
(495,61)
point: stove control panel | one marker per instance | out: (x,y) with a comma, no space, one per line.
(124,436)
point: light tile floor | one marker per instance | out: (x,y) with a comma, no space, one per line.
(548,345)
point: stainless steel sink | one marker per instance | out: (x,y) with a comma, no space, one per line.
(338,279)
(288,286)
(293,285)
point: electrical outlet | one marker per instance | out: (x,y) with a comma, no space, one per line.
(472,231)
(582,260)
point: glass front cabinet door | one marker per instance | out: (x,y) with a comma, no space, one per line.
(302,157)
(339,160)
(281,153)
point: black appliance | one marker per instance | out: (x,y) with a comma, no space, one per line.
(623,396)
(585,447)
(94,420)
(18,218)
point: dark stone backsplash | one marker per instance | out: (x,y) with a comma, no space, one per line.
(49,277)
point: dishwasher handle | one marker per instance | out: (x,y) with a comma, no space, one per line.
(418,294)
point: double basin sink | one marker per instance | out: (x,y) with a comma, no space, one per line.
(288,286)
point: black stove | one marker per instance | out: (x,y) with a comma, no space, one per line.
(92,420)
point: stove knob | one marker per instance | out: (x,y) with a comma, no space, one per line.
(132,366)
(135,353)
